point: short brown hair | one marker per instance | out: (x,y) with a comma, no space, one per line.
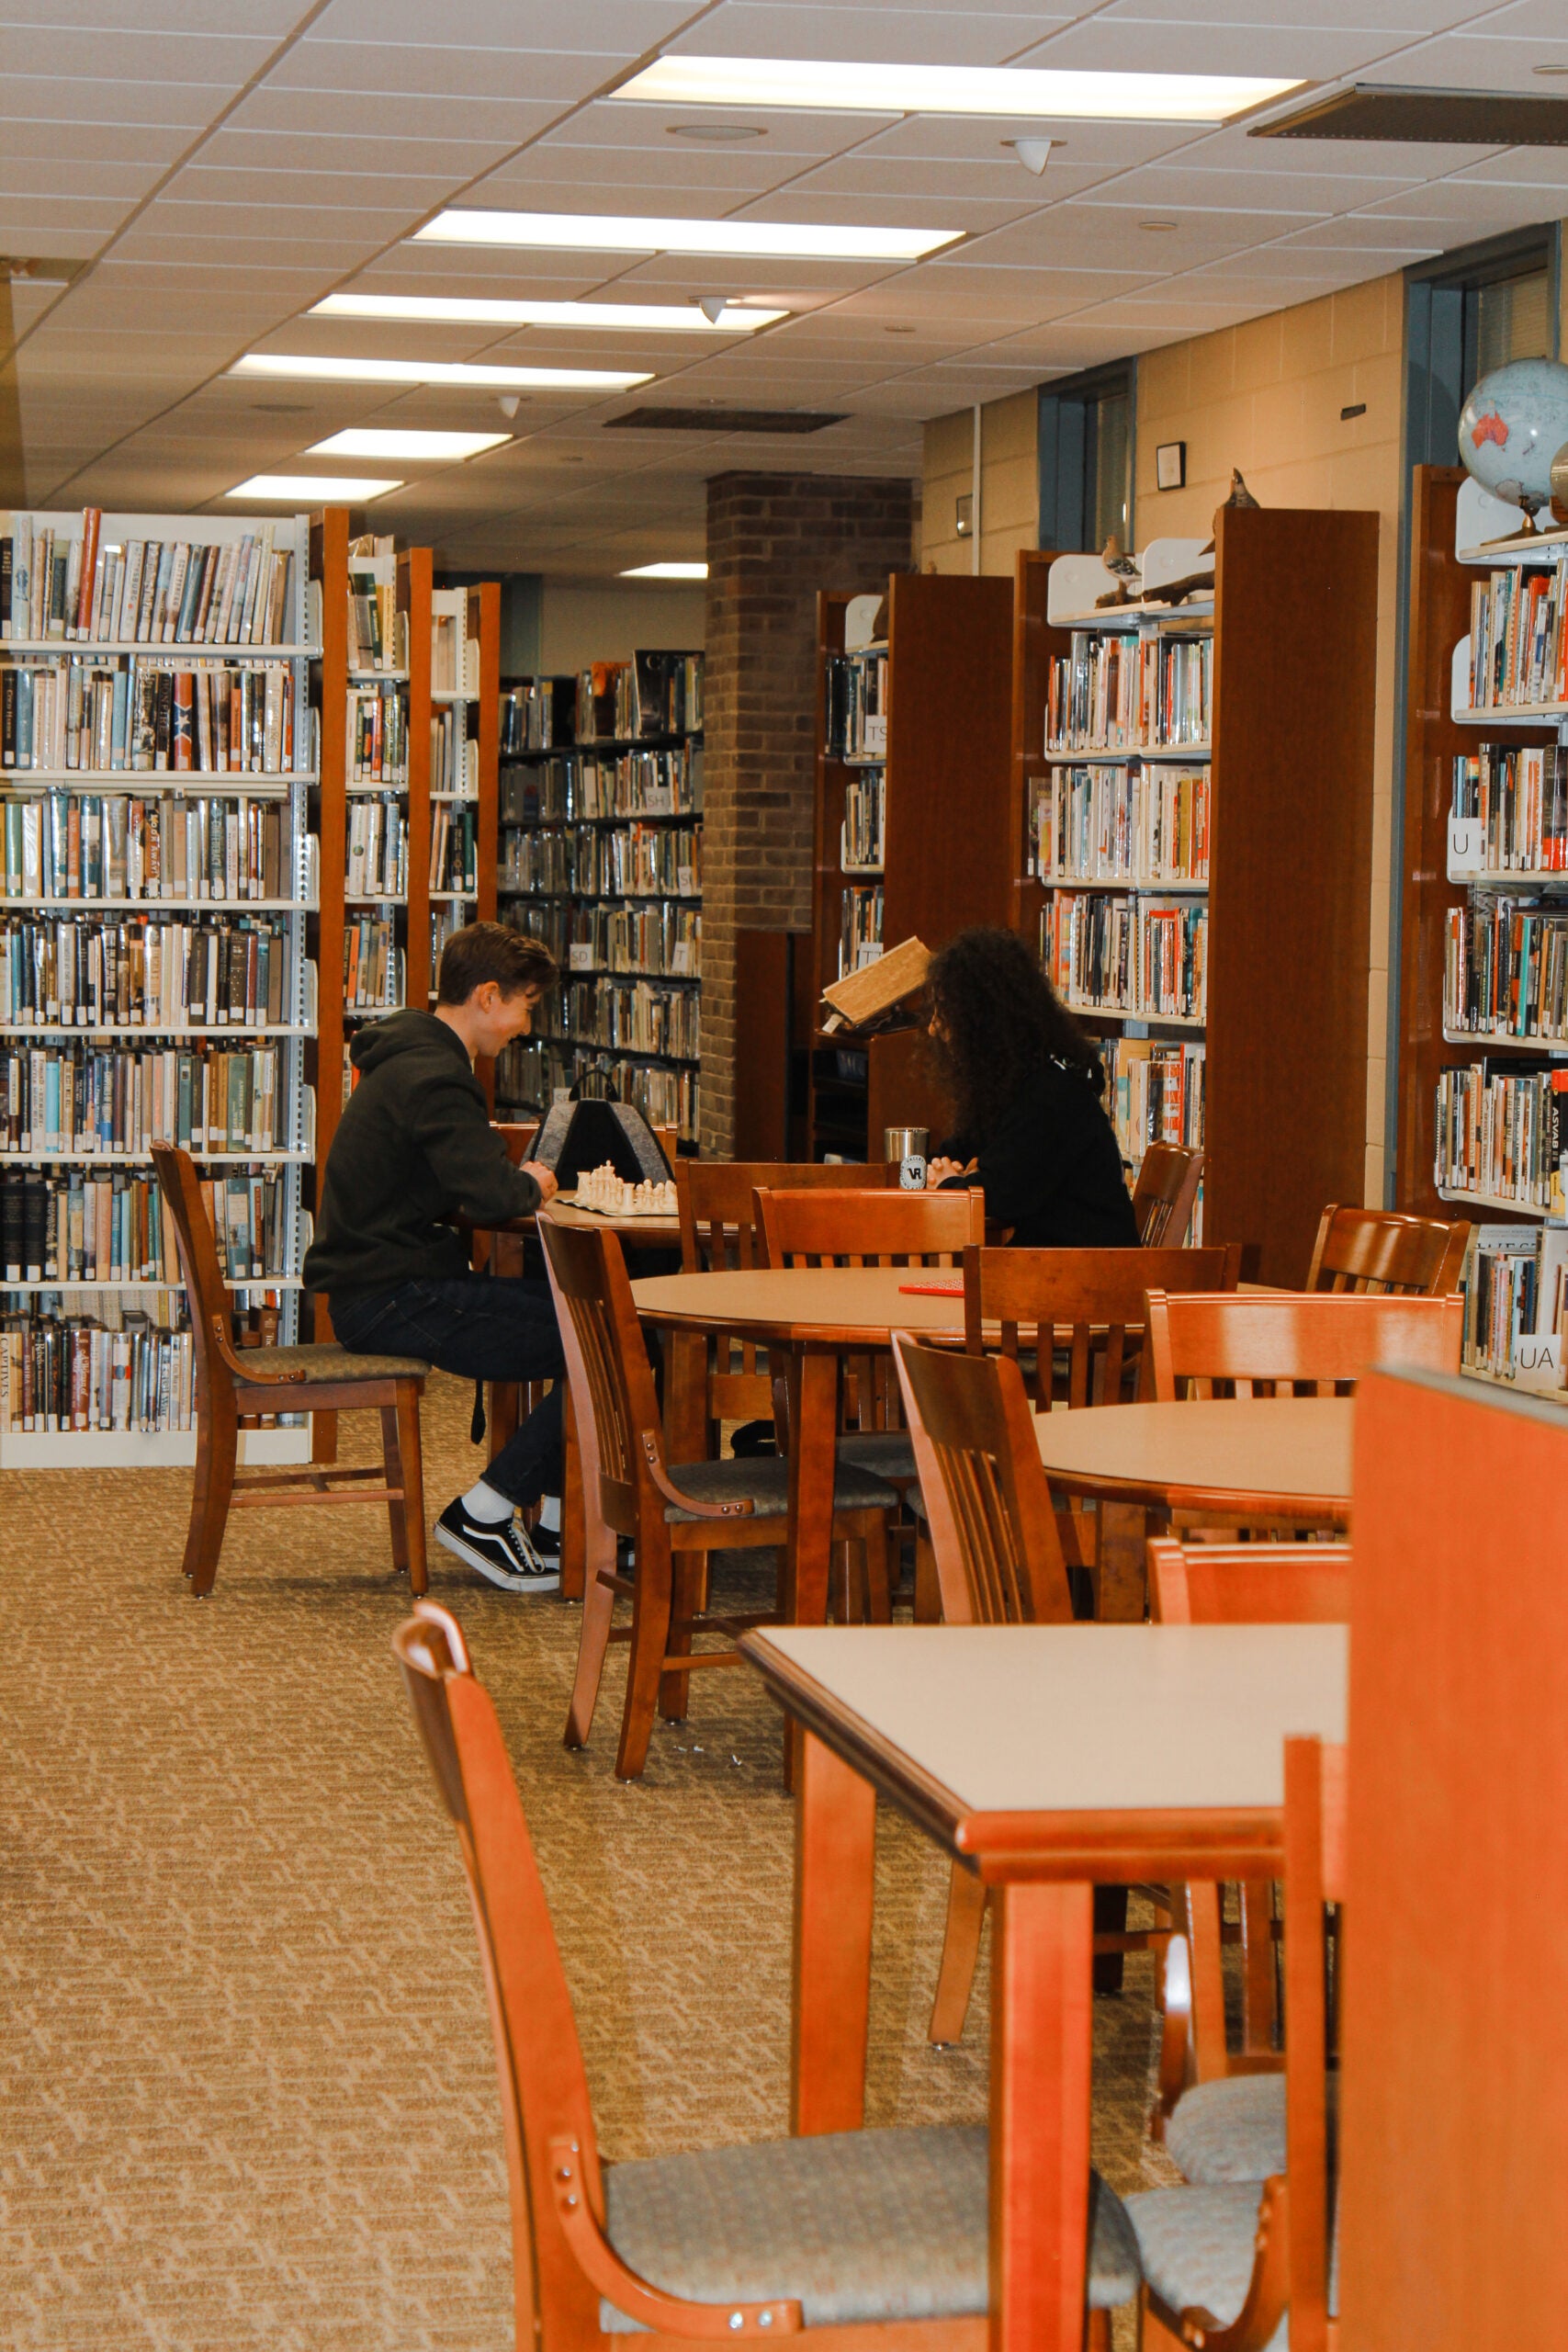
(492,951)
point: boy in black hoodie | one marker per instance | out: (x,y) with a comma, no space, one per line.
(414,1145)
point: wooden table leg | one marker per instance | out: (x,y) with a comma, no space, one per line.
(1041,2046)
(573,1533)
(1120,1582)
(835,1855)
(813,1449)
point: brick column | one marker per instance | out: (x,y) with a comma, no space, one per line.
(773,541)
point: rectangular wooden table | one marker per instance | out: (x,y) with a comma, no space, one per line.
(1050,1758)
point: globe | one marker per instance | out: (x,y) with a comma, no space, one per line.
(1511,428)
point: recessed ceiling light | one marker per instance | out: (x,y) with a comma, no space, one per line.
(646,318)
(715,131)
(1156,224)
(311,369)
(306,489)
(280,408)
(1549,69)
(667,571)
(367,441)
(821,83)
(897,330)
(623,233)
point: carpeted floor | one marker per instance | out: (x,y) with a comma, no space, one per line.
(246,2088)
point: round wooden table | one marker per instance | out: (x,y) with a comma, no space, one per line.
(661,1232)
(1271,1457)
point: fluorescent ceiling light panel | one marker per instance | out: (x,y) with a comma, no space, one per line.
(460,311)
(667,571)
(823,85)
(307,368)
(365,441)
(614,233)
(309,490)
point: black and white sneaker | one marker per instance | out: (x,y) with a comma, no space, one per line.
(501,1550)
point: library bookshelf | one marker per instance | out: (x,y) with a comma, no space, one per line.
(1483,1086)
(1191,842)
(158,877)
(911,825)
(599,855)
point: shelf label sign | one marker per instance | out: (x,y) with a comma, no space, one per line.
(1467,849)
(1538,1360)
(876,734)
(580,953)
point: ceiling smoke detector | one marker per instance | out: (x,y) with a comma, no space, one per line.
(1032,153)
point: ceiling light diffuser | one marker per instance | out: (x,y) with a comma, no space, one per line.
(309,490)
(667,571)
(824,85)
(365,441)
(458,309)
(307,369)
(628,233)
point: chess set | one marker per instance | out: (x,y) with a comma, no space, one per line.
(609,1194)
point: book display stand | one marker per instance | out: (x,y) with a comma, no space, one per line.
(158,872)
(1191,813)
(600,855)
(911,827)
(1484,981)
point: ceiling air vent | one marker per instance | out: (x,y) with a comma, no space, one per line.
(723,420)
(1456,117)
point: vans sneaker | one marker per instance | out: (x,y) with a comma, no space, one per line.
(503,1551)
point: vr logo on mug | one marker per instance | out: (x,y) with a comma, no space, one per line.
(912,1172)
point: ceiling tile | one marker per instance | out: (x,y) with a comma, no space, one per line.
(935,36)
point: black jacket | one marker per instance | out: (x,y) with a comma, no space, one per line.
(414,1143)
(1051,1168)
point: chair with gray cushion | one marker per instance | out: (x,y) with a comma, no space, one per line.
(252,1382)
(675,1515)
(884,2232)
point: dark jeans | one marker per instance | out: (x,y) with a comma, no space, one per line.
(489,1327)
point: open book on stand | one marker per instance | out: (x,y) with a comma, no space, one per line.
(876,995)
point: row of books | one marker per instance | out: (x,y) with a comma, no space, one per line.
(537,715)
(857,707)
(1506,968)
(637,1016)
(373,964)
(454,755)
(1502,1129)
(664,940)
(634,861)
(1132,821)
(378,632)
(73,1372)
(1114,692)
(860,927)
(454,846)
(578,786)
(443,921)
(660,694)
(1515,1289)
(83,1098)
(1154,1093)
(862,836)
(1144,957)
(656,693)
(79,1228)
(1518,648)
(533,1073)
(378,733)
(1515,796)
(147,717)
(376,850)
(149,592)
(79,973)
(112,845)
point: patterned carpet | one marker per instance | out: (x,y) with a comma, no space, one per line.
(246,2089)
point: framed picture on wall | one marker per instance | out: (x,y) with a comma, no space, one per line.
(1170,465)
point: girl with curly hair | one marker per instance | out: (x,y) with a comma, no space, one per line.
(1024,1082)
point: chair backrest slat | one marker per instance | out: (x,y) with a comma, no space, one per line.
(1379,1251)
(206,1294)
(1249,1584)
(1167,1194)
(870,1229)
(613,1394)
(993,1530)
(1089,1301)
(1254,1343)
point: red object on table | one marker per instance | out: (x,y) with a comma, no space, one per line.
(932,1290)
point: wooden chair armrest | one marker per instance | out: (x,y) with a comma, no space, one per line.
(1176,2034)
(653,1454)
(1268,2291)
(234,1357)
(604,2271)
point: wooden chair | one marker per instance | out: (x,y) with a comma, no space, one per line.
(1167,1194)
(673,1515)
(231,1381)
(1224,2264)
(1230,1584)
(1373,1250)
(998,1562)
(1258,1344)
(841,2232)
(870,1229)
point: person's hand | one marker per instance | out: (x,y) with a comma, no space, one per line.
(938,1170)
(542,1177)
